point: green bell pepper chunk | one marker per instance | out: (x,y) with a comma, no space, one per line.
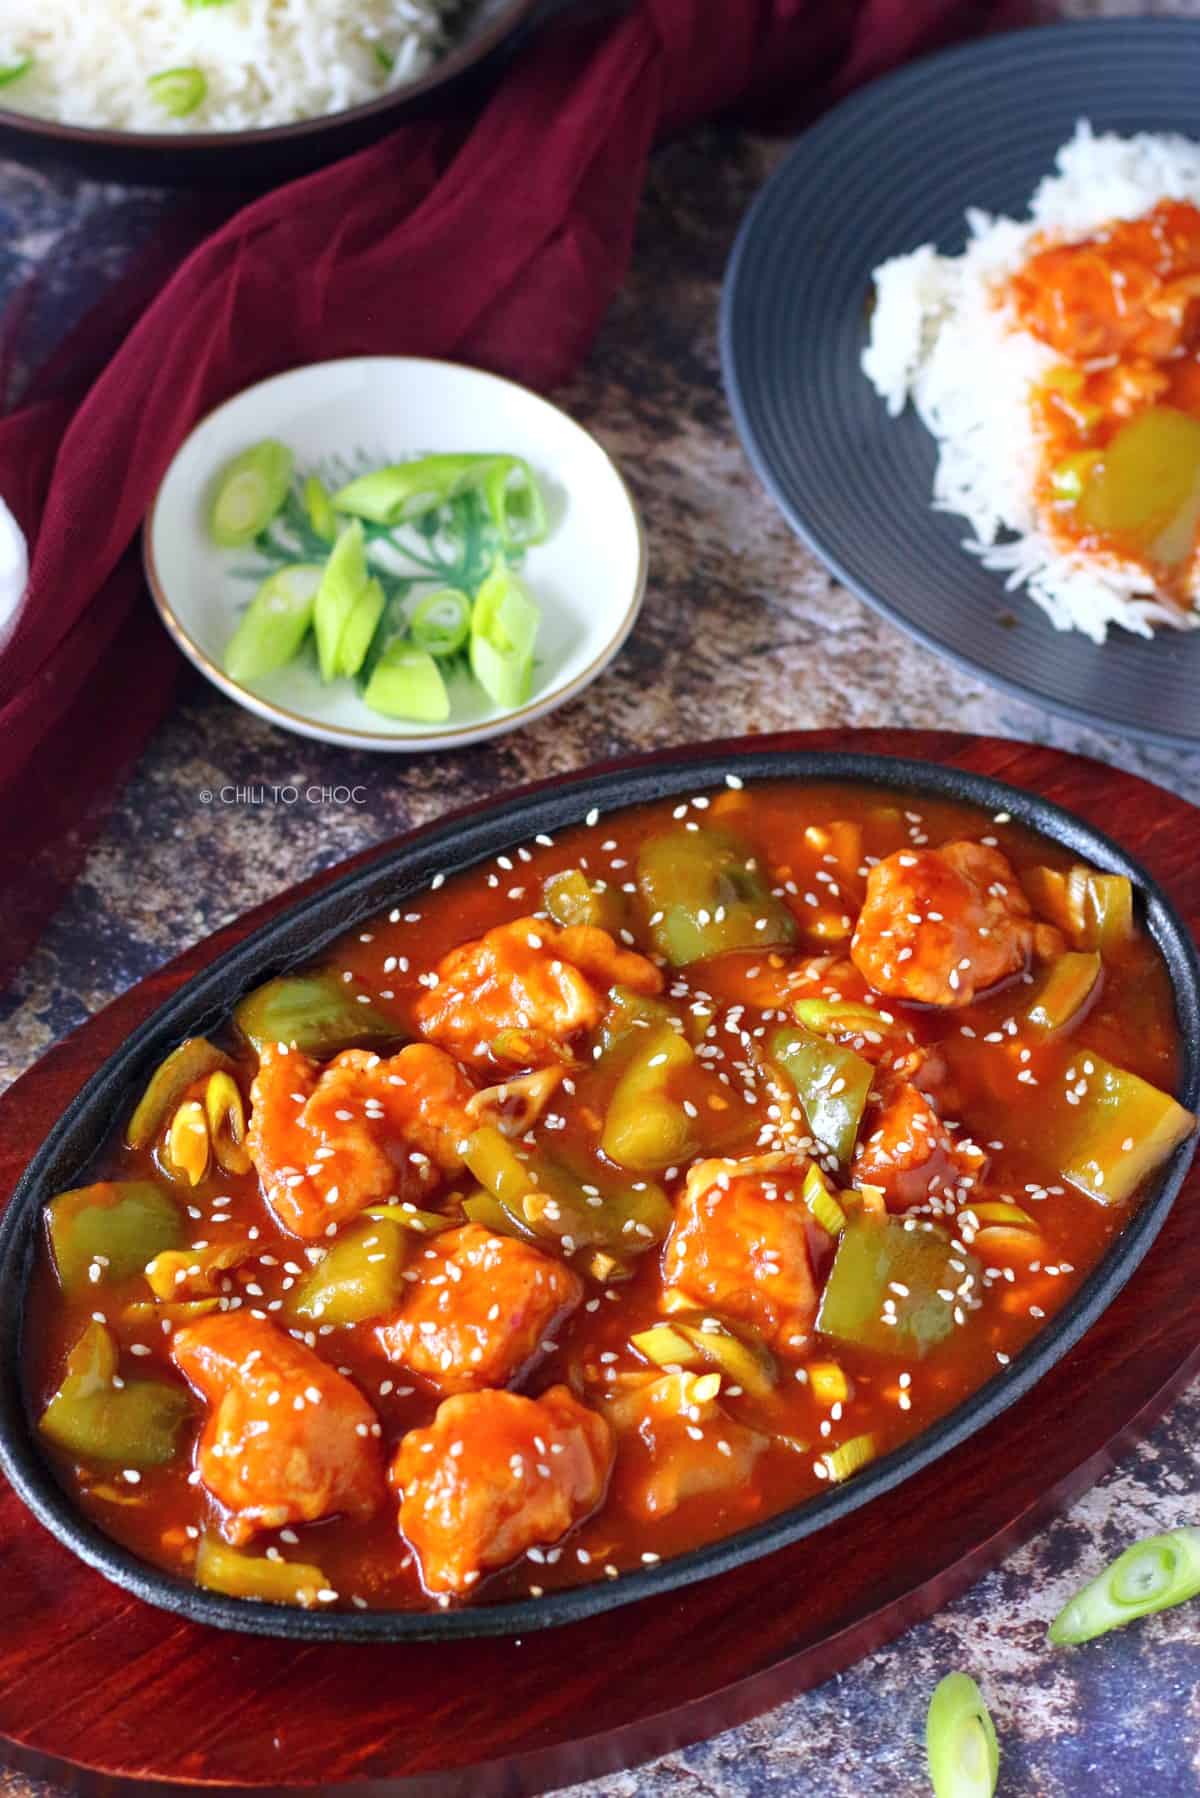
(841,1017)
(539,1197)
(645,1127)
(135,1424)
(831,1083)
(220,1568)
(874,1255)
(360,1276)
(316,1013)
(1065,989)
(1094,911)
(116,1226)
(190,1061)
(705,894)
(571,898)
(629,1017)
(1121,1130)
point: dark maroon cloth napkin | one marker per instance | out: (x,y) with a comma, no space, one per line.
(498,241)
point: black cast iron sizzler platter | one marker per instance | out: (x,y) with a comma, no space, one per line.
(302,932)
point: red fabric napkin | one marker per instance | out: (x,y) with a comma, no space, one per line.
(498,241)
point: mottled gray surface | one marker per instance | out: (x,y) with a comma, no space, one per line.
(741,631)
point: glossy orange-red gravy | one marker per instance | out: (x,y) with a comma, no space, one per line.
(991,1081)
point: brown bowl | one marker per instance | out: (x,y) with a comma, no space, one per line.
(486,34)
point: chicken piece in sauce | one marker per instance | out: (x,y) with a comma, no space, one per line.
(495,1474)
(287,1439)
(742,1244)
(328,1141)
(531,982)
(480,1309)
(908,1151)
(1130,290)
(675,1441)
(940,926)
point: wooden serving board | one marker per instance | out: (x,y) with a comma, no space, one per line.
(109,1695)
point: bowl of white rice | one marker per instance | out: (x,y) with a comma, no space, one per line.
(234,91)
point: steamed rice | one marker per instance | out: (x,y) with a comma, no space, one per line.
(265,62)
(939,338)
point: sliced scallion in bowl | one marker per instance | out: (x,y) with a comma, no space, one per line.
(404,577)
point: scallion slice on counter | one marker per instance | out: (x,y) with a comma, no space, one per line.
(179,91)
(275,622)
(441,623)
(407,683)
(1151,1576)
(960,1741)
(250,489)
(504,625)
(15,70)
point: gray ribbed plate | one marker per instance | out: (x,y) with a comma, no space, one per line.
(894,167)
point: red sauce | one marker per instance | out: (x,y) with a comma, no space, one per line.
(987,1088)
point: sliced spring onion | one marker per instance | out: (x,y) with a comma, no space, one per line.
(823,1207)
(249,491)
(15,70)
(960,1741)
(515,502)
(186,1152)
(360,627)
(275,623)
(666,1347)
(828,1383)
(384,58)
(407,683)
(504,627)
(343,583)
(407,490)
(840,1463)
(179,91)
(319,507)
(1151,1576)
(441,623)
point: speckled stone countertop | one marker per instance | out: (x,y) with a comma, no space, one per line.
(741,630)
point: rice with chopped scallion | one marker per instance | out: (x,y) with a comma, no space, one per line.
(941,338)
(210,65)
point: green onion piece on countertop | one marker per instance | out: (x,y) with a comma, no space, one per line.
(960,1741)
(407,683)
(1151,1576)
(179,91)
(441,623)
(15,70)
(250,491)
(343,583)
(275,623)
(504,627)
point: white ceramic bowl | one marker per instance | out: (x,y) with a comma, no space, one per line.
(588,576)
